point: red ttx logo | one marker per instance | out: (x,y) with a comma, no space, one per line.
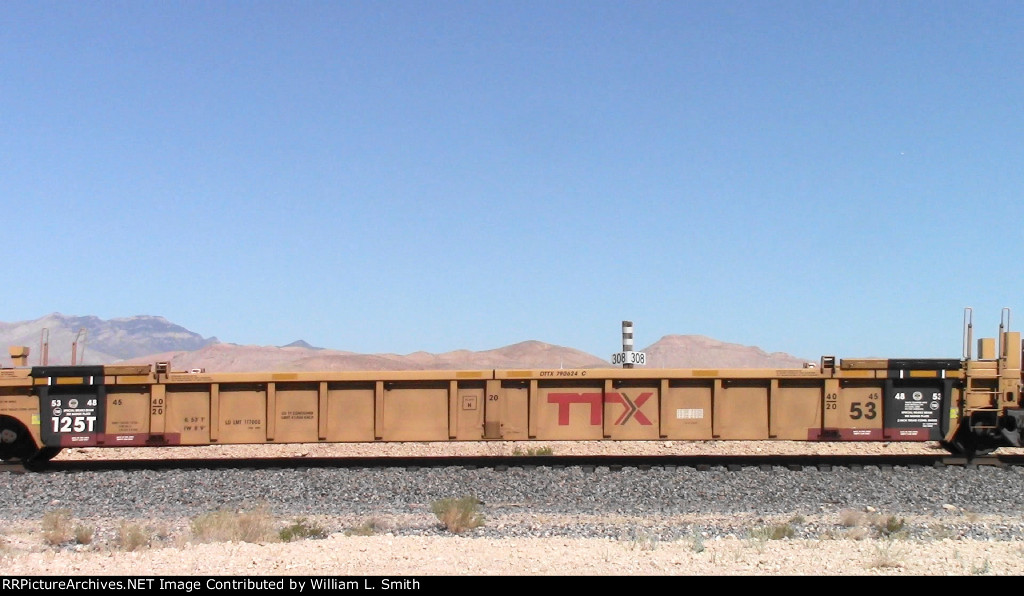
(631,407)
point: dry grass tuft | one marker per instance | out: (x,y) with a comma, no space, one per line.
(302,529)
(132,537)
(887,556)
(458,515)
(850,518)
(890,526)
(883,526)
(84,534)
(773,532)
(57,528)
(368,528)
(235,526)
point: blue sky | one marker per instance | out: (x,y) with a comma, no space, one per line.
(811,177)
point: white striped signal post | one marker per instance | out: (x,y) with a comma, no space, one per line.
(627,357)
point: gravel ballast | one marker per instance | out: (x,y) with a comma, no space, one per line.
(542,520)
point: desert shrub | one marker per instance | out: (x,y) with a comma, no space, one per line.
(887,556)
(941,532)
(850,518)
(235,526)
(890,526)
(302,529)
(84,534)
(698,542)
(367,528)
(641,540)
(883,526)
(773,532)
(984,569)
(57,528)
(458,515)
(132,536)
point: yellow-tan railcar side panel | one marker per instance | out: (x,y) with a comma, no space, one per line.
(631,410)
(856,410)
(514,410)
(740,410)
(492,406)
(686,410)
(415,411)
(568,410)
(17,400)
(158,409)
(243,413)
(350,412)
(795,409)
(20,404)
(296,412)
(127,415)
(187,415)
(469,411)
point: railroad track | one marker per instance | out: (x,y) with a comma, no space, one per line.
(586,463)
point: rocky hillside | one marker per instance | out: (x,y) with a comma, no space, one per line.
(698,351)
(105,341)
(672,351)
(234,358)
(148,339)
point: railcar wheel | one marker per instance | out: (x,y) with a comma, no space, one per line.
(47,453)
(968,445)
(41,459)
(15,440)
(951,447)
(35,465)
(7,440)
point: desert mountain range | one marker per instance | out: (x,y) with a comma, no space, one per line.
(146,339)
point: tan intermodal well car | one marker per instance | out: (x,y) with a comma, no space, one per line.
(971,405)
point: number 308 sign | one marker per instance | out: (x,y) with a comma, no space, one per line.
(629,358)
